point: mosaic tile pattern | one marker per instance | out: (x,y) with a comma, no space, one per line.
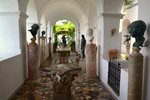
(82,89)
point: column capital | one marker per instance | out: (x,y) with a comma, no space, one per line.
(23,15)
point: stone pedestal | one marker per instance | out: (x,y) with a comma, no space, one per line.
(42,49)
(91,61)
(135,74)
(33,61)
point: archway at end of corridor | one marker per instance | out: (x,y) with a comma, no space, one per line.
(64,35)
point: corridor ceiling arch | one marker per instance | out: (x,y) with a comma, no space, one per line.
(63,9)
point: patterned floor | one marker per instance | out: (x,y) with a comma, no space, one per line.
(82,89)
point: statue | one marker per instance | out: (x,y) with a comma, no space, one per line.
(64,41)
(34,29)
(83,43)
(90,36)
(136,29)
(43,32)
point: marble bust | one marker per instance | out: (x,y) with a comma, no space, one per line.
(89,36)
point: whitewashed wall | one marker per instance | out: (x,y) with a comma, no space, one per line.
(12,76)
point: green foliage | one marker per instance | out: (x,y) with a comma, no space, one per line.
(68,29)
(72,45)
(127,2)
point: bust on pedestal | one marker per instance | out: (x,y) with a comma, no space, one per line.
(90,36)
(49,46)
(135,70)
(33,56)
(90,56)
(42,47)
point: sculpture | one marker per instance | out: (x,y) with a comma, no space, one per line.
(136,29)
(64,41)
(83,43)
(34,29)
(43,32)
(90,36)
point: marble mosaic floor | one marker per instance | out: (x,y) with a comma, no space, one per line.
(82,89)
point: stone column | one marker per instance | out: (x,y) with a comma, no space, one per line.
(23,41)
(135,74)
(42,49)
(91,61)
(33,61)
(49,47)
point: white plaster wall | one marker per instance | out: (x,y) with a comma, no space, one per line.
(12,5)
(145,16)
(32,19)
(112,6)
(9,33)
(131,13)
(11,76)
(123,80)
(83,29)
(32,12)
(104,71)
(104,76)
(123,85)
(111,42)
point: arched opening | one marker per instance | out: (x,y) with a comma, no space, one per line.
(64,35)
(32,19)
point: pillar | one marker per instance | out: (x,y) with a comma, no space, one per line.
(42,49)
(23,41)
(91,61)
(135,74)
(33,61)
(49,47)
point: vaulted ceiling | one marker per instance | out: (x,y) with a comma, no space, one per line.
(77,11)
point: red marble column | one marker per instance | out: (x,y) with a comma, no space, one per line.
(91,61)
(33,61)
(42,49)
(135,74)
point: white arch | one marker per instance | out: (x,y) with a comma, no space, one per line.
(32,18)
(71,5)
